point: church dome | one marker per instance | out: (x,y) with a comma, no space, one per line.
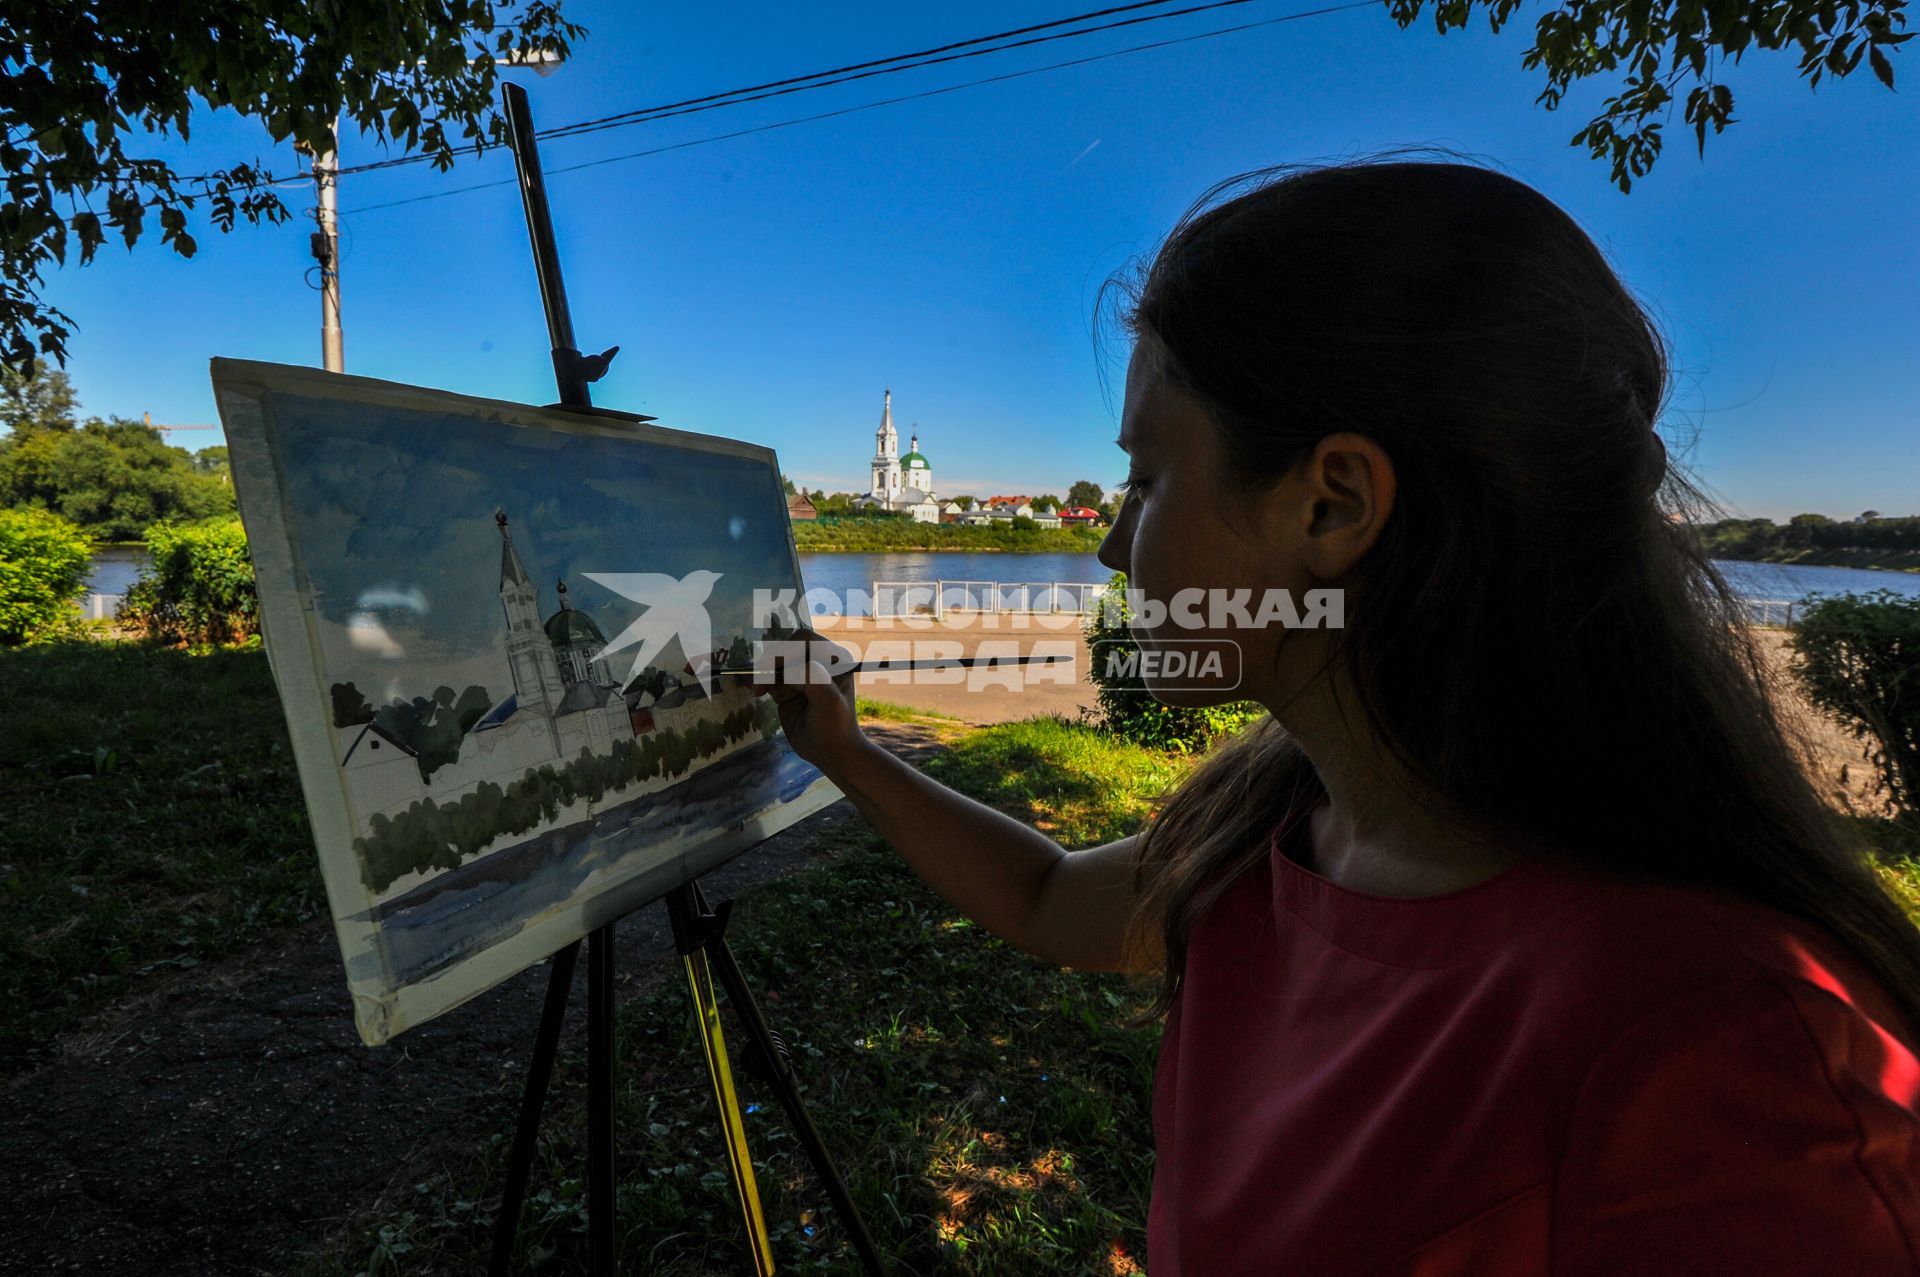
(914,461)
(568,626)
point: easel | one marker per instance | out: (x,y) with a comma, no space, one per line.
(699,932)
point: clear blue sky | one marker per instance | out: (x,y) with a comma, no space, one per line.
(769,287)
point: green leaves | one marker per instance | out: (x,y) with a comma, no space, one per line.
(1692,38)
(84,80)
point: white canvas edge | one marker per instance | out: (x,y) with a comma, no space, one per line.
(384,1009)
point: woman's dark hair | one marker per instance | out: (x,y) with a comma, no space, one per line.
(1537,636)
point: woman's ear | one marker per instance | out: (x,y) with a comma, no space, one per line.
(1344,493)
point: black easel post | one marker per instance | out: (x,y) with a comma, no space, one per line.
(571,375)
(546,256)
(546,1044)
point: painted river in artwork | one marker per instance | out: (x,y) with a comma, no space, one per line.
(488,899)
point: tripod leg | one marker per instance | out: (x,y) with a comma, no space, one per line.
(732,1121)
(786,1086)
(546,1044)
(600,1172)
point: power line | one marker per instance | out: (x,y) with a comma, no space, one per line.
(895,101)
(931,58)
(843,75)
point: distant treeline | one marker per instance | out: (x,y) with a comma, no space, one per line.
(870,535)
(1870,541)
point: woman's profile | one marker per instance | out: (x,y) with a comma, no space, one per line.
(1515,939)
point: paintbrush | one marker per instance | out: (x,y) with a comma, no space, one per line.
(938,663)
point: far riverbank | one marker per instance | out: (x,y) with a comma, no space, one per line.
(1860,560)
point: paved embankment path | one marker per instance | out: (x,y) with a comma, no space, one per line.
(979,697)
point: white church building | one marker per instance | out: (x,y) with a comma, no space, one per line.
(903,484)
(566,699)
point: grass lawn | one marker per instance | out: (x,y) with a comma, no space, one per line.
(150,819)
(990,1112)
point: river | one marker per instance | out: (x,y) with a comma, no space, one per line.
(114,570)
(843,573)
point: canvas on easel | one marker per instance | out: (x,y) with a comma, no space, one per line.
(495,630)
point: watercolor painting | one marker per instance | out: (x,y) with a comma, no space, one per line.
(495,630)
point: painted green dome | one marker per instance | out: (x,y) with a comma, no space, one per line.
(568,626)
(914,461)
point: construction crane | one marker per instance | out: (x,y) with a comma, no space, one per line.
(147,419)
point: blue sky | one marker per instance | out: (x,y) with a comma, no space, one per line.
(769,287)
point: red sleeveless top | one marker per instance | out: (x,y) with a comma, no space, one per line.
(1552,1072)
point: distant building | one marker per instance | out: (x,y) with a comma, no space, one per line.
(800,506)
(1078,516)
(902,484)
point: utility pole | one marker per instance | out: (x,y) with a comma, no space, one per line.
(324,243)
(326,249)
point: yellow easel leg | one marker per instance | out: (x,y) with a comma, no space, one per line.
(732,1120)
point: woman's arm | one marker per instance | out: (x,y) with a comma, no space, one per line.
(1066,907)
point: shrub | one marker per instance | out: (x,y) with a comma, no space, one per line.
(1128,709)
(197,586)
(1858,656)
(43,567)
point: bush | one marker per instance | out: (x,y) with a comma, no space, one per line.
(43,567)
(197,586)
(1858,656)
(1128,709)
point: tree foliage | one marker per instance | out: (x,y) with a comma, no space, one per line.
(1127,708)
(1763,539)
(43,567)
(86,82)
(1663,42)
(197,586)
(1858,656)
(1085,492)
(114,478)
(36,398)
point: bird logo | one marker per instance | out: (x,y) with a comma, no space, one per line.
(676,609)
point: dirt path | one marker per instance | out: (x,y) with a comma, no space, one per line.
(232,1120)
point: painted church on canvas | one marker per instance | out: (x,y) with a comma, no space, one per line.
(566,700)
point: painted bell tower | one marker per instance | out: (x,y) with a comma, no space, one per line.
(536,675)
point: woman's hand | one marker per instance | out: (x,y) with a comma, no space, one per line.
(817,713)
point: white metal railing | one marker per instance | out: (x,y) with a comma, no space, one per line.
(910,598)
(1769,611)
(100,607)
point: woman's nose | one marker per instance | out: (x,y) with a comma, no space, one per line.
(1113,551)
